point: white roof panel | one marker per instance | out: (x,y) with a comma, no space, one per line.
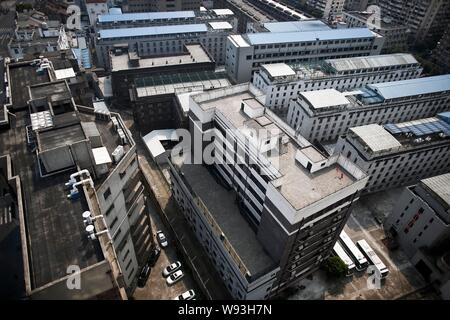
(220,25)
(385,60)
(223,12)
(440,185)
(278,69)
(148,31)
(101,155)
(376,137)
(325,98)
(65,73)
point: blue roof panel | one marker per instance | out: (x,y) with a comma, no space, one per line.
(412,87)
(299,36)
(147,31)
(105,18)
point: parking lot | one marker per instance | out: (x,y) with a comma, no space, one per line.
(156,287)
(365,222)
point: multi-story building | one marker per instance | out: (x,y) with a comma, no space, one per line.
(441,54)
(300,41)
(400,154)
(420,224)
(330,9)
(356,5)
(395,34)
(95,8)
(280,11)
(163,40)
(281,82)
(267,205)
(159,5)
(426,19)
(323,115)
(80,179)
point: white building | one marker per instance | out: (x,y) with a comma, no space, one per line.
(159,5)
(399,154)
(276,205)
(329,8)
(281,83)
(95,8)
(163,40)
(293,42)
(323,115)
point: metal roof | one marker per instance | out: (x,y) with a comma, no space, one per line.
(385,60)
(325,98)
(278,69)
(293,26)
(105,18)
(147,31)
(376,137)
(287,37)
(412,87)
(440,185)
(220,25)
(421,127)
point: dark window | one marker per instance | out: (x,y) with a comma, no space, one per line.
(107,193)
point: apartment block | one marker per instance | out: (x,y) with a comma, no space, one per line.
(395,34)
(330,9)
(81,179)
(420,224)
(441,54)
(399,154)
(268,207)
(164,40)
(281,82)
(295,42)
(323,115)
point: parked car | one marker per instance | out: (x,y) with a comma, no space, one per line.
(154,255)
(171,268)
(188,295)
(162,239)
(143,276)
(175,277)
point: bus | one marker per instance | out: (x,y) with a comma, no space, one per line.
(354,253)
(340,252)
(381,270)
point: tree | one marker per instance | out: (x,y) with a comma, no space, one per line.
(335,267)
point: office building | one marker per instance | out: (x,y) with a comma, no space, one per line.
(323,115)
(95,8)
(268,206)
(395,34)
(281,82)
(420,224)
(400,154)
(441,54)
(356,5)
(83,196)
(164,40)
(330,9)
(294,42)
(159,5)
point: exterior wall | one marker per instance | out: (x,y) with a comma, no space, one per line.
(329,8)
(329,125)
(279,93)
(242,62)
(417,221)
(95,9)
(395,169)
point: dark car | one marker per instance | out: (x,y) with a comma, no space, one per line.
(154,255)
(143,276)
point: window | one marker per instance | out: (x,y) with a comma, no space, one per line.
(107,193)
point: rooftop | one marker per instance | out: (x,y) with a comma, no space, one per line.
(376,137)
(325,98)
(300,187)
(222,206)
(440,185)
(220,25)
(252,11)
(412,87)
(296,26)
(278,69)
(195,54)
(151,31)
(104,18)
(385,60)
(302,36)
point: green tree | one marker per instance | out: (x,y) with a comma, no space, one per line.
(335,267)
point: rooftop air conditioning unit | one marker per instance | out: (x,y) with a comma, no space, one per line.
(118,153)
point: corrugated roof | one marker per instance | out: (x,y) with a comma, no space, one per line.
(278,69)
(412,87)
(325,98)
(440,185)
(286,37)
(105,18)
(147,31)
(384,60)
(376,137)
(294,26)
(220,25)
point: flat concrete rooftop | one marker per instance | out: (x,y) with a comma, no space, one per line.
(195,54)
(221,203)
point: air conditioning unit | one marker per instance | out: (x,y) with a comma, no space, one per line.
(118,153)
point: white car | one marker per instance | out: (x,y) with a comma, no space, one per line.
(188,295)
(171,268)
(162,239)
(175,277)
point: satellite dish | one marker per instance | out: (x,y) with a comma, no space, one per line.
(86,214)
(90,229)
